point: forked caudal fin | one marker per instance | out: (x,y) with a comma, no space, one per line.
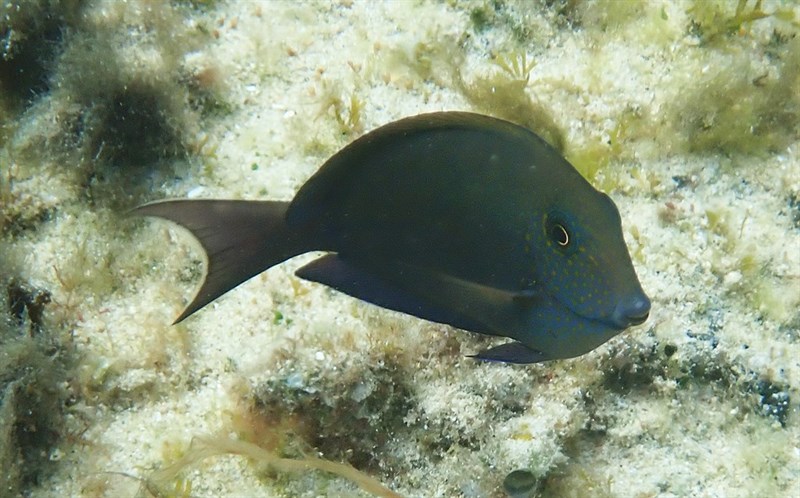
(241,239)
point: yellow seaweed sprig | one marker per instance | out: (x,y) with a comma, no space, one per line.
(206,447)
(516,65)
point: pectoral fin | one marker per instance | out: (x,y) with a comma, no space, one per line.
(354,280)
(527,297)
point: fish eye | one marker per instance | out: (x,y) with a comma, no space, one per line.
(559,234)
(556,231)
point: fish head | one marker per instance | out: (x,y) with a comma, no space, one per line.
(583,262)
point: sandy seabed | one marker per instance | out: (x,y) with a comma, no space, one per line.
(685,113)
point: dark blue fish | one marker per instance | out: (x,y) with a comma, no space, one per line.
(453,217)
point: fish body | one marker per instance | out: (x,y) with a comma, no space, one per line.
(453,217)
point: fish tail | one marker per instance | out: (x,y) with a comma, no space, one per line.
(241,239)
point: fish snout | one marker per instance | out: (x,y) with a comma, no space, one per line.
(632,310)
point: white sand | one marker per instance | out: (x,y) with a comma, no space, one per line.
(720,258)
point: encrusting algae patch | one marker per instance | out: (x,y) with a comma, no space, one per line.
(685,113)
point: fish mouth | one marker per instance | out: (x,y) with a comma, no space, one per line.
(630,311)
(638,320)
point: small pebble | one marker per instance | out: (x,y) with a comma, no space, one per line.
(520,484)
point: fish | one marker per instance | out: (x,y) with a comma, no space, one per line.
(452,217)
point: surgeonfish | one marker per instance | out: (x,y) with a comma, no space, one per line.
(453,217)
